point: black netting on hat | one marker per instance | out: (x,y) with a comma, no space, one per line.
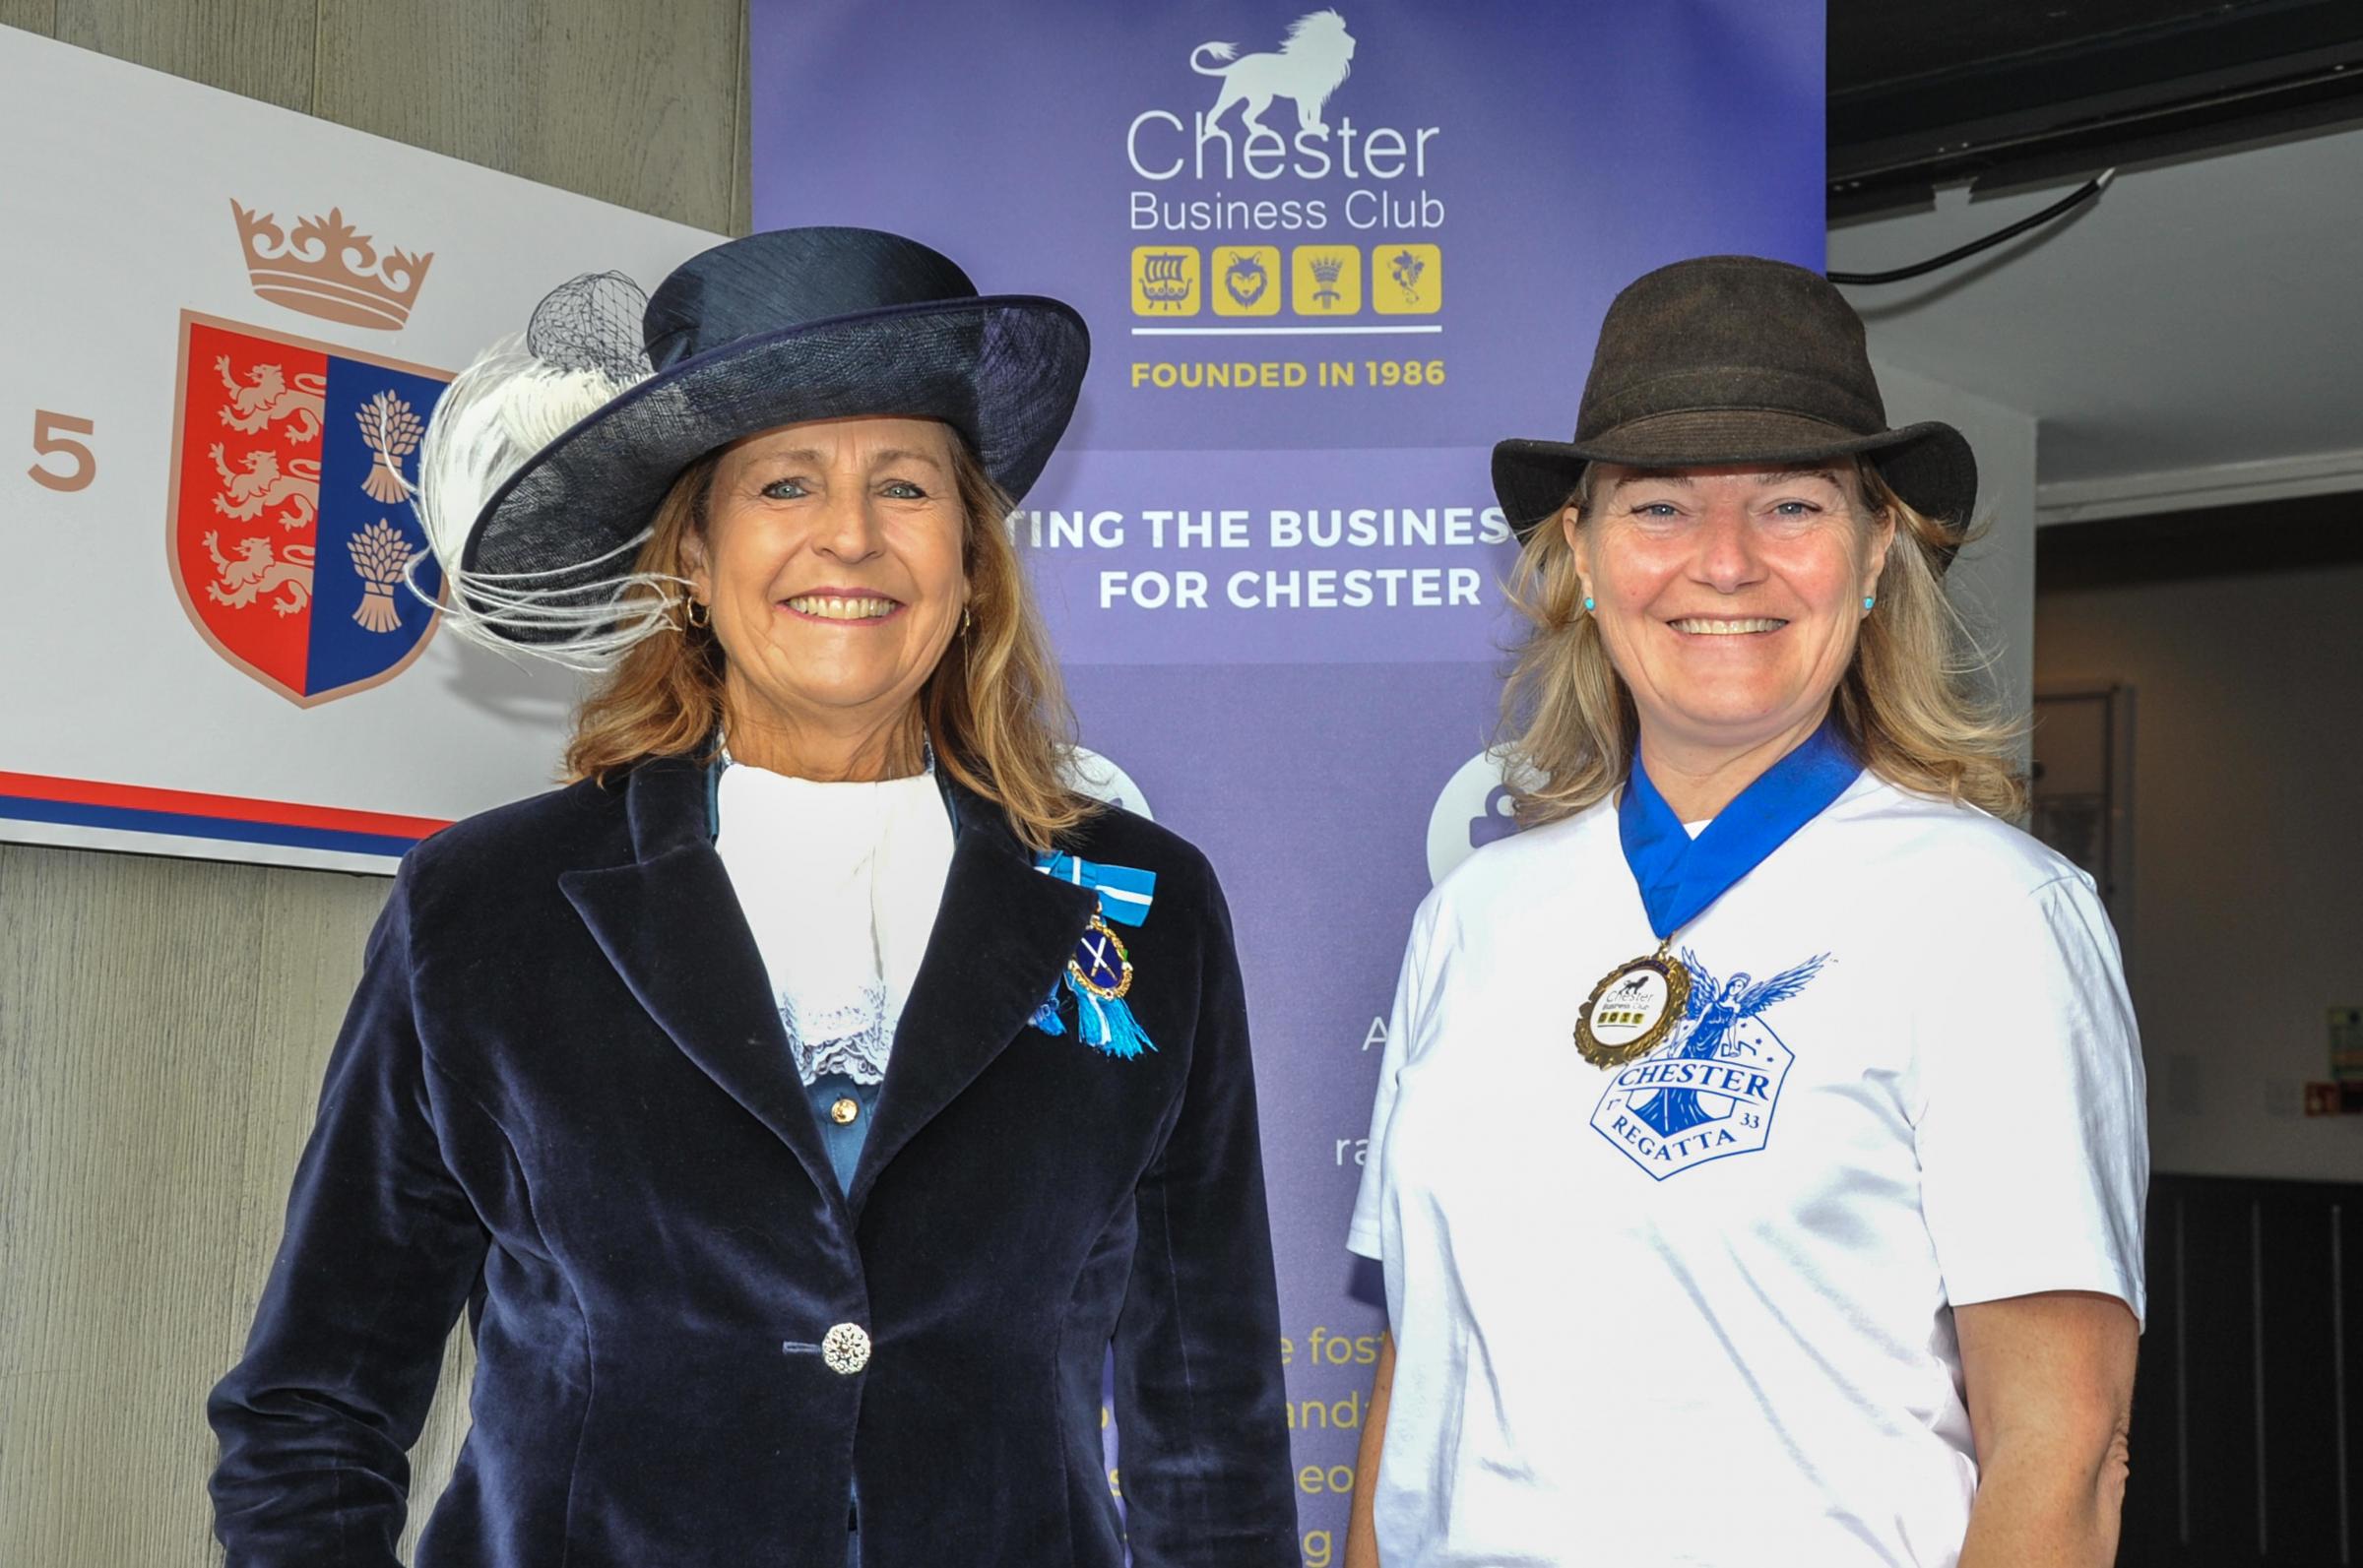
(1004,373)
(592,323)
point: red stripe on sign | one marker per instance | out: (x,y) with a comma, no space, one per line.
(234,808)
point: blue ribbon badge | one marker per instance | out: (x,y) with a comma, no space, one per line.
(1099,973)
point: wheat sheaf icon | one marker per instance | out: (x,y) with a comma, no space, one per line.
(391,430)
(379,555)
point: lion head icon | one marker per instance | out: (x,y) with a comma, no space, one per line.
(1246,277)
(1307,67)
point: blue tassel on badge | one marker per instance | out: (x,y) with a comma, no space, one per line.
(1100,973)
(1107,1024)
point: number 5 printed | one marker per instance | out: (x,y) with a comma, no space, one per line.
(53,437)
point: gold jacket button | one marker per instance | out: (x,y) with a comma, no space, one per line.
(843,1112)
(845,1348)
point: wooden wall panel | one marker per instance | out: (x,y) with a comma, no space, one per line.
(162,1030)
(742,192)
(259,48)
(33,16)
(128,997)
(631,104)
(314,927)
(164,1024)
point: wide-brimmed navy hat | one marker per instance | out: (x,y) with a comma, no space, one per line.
(771,330)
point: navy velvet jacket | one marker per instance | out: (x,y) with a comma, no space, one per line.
(563,1093)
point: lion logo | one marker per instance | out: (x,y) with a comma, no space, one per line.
(256,573)
(266,397)
(1310,63)
(262,486)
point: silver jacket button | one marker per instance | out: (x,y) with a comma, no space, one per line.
(845,1348)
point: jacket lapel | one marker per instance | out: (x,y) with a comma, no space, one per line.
(670,922)
(1003,937)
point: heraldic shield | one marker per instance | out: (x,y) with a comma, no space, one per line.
(291,526)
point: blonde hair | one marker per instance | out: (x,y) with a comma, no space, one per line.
(1911,701)
(993,708)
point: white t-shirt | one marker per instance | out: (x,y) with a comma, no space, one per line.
(1697,1310)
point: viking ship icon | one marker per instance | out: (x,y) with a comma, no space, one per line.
(1164,279)
(1325,270)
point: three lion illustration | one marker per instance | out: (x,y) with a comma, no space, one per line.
(266,397)
(248,495)
(1310,62)
(256,572)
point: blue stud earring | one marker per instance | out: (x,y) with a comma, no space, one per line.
(1869,599)
(1588,606)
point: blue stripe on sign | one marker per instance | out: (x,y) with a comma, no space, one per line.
(181,825)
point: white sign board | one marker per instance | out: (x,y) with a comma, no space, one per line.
(226,323)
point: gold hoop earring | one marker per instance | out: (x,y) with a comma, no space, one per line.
(689,609)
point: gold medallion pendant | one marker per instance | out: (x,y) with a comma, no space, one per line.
(1101,965)
(1632,1010)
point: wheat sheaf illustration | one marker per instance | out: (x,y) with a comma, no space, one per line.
(391,430)
(379,554)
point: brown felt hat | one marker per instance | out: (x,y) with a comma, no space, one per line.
(1734,359)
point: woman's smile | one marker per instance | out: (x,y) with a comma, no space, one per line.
(1703,626)
(844,606)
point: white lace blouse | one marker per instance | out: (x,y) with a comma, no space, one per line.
(840,884)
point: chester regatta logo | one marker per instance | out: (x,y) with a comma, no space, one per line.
(1711,1089)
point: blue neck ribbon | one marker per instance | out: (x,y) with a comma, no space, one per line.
(1679,876)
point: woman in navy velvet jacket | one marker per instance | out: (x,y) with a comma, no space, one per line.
(754,1280)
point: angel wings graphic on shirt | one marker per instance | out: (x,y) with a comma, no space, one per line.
(1715,1008)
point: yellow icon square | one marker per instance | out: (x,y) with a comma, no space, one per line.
(1165,280)
(1246,280)
(1325,281)
(1407,279)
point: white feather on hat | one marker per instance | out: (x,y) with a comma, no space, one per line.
(580,351)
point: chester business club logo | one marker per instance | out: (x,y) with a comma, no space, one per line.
(1711,1090)
(294,465)
(1246,167)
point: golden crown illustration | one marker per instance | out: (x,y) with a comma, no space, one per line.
(324,267)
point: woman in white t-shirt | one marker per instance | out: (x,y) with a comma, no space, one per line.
(806,1125)
(1757,1162)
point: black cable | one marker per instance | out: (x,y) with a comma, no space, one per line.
(2058,209)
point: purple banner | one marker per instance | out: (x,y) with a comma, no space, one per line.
(1328,257)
